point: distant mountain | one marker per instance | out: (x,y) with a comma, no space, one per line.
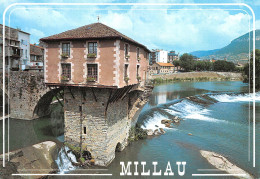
(237,50)
(203,53)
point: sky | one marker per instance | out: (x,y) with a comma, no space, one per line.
(169,27)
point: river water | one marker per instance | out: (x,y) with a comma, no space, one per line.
(221,126)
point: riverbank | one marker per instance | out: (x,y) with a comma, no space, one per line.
(38,158)
(195,76)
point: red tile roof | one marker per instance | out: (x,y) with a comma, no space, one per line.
(165,64)
(91,31)
(36,50)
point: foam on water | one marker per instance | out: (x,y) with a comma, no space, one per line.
(154,121)
(191,110)
(185,110)
(64,160)
(236,98)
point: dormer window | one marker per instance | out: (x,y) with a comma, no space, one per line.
(65,50)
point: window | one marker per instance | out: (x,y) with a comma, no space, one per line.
(92,71)
(126,70)
(92,47)
(66,48)
(1,49)
(137,70)
(126,49)
(66,70)
(26,53)
(137,52)
(85,130)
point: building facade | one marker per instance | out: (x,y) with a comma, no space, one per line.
(158,56)
(94,59)
(24,39)
(162,68)
(12,48)
(172,56)
(17,48)
(36,57)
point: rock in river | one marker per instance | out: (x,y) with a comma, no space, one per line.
(149,132)
(164,121)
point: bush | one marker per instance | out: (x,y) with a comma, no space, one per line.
(136,133)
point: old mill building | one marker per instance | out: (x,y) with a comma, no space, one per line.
(101,71)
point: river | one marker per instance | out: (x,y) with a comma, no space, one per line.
(222,127)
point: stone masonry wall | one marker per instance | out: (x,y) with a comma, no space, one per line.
(106,126)
(25,90)
(92,117)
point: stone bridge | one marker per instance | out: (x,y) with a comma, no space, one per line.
(97,120)
(27,94)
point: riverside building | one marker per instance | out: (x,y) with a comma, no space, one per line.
(102,73)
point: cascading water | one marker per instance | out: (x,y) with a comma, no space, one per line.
(65,159)
(191,109)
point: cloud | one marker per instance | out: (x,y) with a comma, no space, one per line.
(181,30)
(35,35)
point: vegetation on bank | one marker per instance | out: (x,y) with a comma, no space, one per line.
(188,63)
(136,133)
(82,156)
(248,71)
(165,80)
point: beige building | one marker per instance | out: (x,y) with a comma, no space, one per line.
(94,55)
(162,68)
(36,57)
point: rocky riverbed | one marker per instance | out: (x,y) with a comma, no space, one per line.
(168,124)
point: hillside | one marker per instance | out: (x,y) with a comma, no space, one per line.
(237,50)
(203,53)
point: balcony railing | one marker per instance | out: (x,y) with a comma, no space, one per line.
(13,52)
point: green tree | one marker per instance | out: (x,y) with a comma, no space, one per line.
(176,63)
(248,70)
(222,65)
(200,65)
(208,66)
(187,62)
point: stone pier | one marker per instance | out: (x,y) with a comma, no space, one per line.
(99,119)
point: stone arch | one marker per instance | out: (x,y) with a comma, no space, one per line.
(42,107)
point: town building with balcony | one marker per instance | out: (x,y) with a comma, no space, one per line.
(17,48)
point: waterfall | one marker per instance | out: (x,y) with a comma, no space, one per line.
(64,160)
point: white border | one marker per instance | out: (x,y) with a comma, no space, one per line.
(140,4)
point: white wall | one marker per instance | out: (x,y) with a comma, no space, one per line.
(162,56)
(24,39)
